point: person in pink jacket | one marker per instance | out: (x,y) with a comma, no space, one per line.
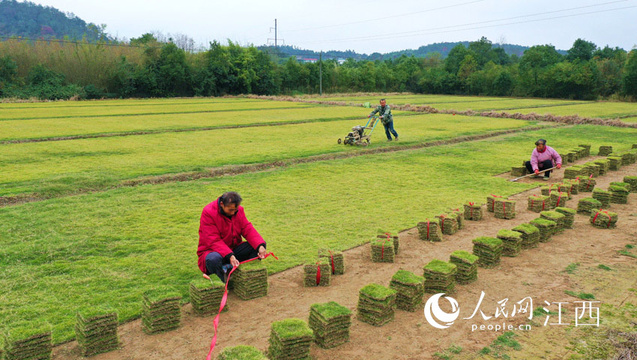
(221,228)
(543,157)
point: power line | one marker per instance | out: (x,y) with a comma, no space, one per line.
(63,41)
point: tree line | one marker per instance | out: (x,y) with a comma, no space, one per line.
(146,67)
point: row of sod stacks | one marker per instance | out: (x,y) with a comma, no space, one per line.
(376,304)
(546,227)
(586,150)
(603,219)
(587,184)
(440,277)
(448,223)
(558,199)
(615,162)
(335,258)
(488,250)
(429,230)
(619,192)
(318,273)
(467,266)
(290,339)
(491,202)
(394,240)
(585,205)
(382,250)
(632,180)
(96,331)
(511,242)
(250,280)
(473,211)
(459,214)
(530,235)
(241,352)
(537,203)
(330,323)
(160,310)
(569,216)
(410,288)
(518,171)
(603,196)
(572,172)
(504,209)
(24,341)
(558,218)
(605,150)
(205,296)
(604,166)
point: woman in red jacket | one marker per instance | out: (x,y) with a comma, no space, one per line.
(223,224)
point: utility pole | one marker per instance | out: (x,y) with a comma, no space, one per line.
(275,34)
(321,73)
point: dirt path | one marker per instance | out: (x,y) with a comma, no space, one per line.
(538,273)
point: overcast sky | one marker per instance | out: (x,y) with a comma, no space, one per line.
(367,26)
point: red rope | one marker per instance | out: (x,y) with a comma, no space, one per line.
(318,274)
(427,229)
(332,257)
(471,210)
(559,197)
(606,212)
(493,203)
(442,220)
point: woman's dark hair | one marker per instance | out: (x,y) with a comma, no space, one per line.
(541,141)
(231,197)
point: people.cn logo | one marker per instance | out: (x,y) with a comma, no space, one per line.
(435,316)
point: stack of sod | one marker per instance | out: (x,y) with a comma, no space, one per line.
(251,280)
(330,323)
(615,162)
(634,146)
(565,188)
(591,168)
(448,223)
(546,228)
(518,171)
(622,184)
(572,172)
(24,341)
(619,192)
(537,203)
(382,250)
(587,185)
(530,235)
(96,331)
(467,265)
(205,295)
(410,288)
(488,250)
(290,339)
(318,273)
(491,202)
(627,158)
(376,304)
(160,310)
(585,205)
(586,151)
(472,211)
(547,190)
(571,155)
(605,150)
(511,242)
(631,156)
(459,217)
(603,219)
(574,185)
(632,180)
(558,218)
(440,277)
(604,166)
(603,196)
(394,240)
(558,199)
(241,352)
(569,216)
(429,230)
(505,209)
(335,259)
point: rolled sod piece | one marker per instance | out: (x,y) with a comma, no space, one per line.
(603,219)
(24,340)
(504,209)
(558,199)
(290,339)
(632,180)
(459,213)
(619,193)
(537,203)
(473,211)
(410,288)
(429,230)
(546,227)
(336,260)
(547,190)
(241,352)
(161,310)
(96,330)
(330,323)
(604,166)
(615,162)
(467,265)
(491,202)
(448,223)
(530,235)
(318,273)
(382,250)
(569,216)
(585,205)
(587,149)
(376,304)
(511,242)
(488,250)
(557,217)
(603,196)
(250,280)
(440,276)
(573,172)
(605,150)
(587,185)
(205,296)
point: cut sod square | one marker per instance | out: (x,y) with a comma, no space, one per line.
(250,280)
(448,223)
(491,202)
(547,190)
(376,304)
(619,192)
(161,310)
(410,288)
(440,276)
(615,162)
(318,273)
(557,217)
(393,238)
(602,196)
(569,216)
(504,209)
(511,242)
(330,323)
(205,295)
(587,185)
(241,352)
(467,265)
(517,171)
(546,227)
(538,203)
(605,150)
(603,219)
(488,250)
(96,330)
(290,339)
(604,166)
(585,205)
(530,235)
(558,199)
(24,340)
(382,250)
(429,230)
(632,180)
(459,214)
(572,172)
(335,258)
(473,211)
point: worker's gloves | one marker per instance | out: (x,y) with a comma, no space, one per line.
(537,172)
(559,166)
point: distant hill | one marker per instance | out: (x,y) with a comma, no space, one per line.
(31,20)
